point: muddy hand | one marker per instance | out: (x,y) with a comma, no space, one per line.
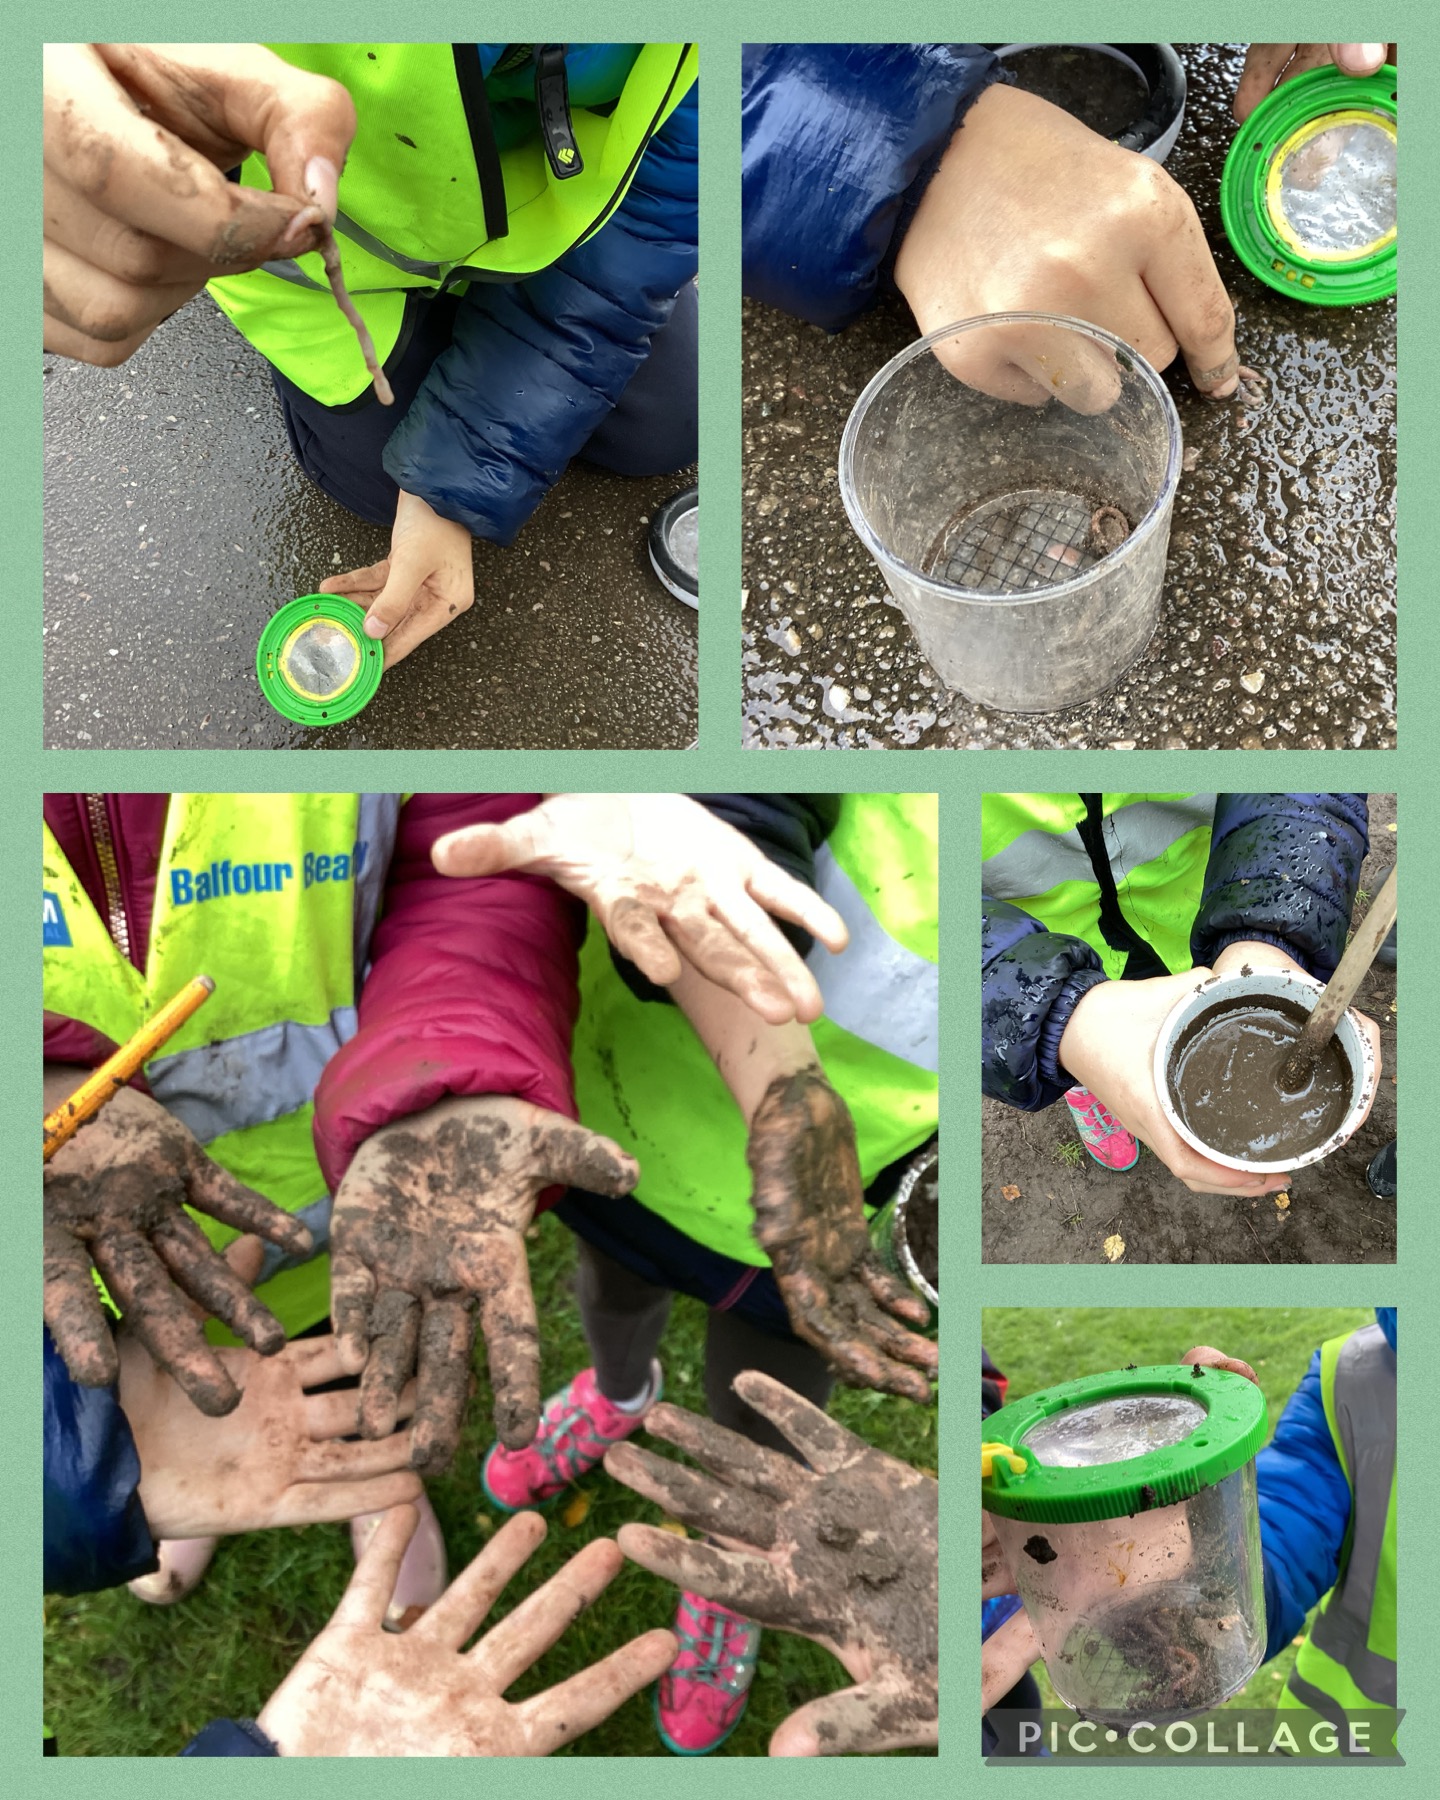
(138,212)
(844,1551)
(115,1196)
(810,1221)
(671,884)
(360,1690)
(428,1232)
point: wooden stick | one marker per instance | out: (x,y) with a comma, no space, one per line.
(117,1072)
(1340,989)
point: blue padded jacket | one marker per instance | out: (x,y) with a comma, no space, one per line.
(1304,1505)
(1283,870)
(95,1530)
(838,142)
(535,366)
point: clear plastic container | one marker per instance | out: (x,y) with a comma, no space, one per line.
(1024,537)
(1156,1612)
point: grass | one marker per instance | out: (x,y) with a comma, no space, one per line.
(1038,1347)
(1069,1151)
(125,1679)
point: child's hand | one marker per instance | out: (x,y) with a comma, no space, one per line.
(427,579)
(675,888)
(810,1221)
(138,213)
(842,1547)
(1109,1047)
(1031,211)
(1268,65)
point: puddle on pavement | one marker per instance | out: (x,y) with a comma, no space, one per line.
(1279,619)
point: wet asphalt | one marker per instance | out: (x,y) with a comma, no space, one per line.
(177,522)
(1278,628)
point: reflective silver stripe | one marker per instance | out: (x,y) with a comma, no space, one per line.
(1034,863)
(1317,1700)
(1145,829)
(317,1217)
(1134,834)
(346,226)
(876,989)
(291,271)
(378,823)
(252,1079)
(1365,1419)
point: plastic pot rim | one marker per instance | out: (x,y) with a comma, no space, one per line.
(1060,590)
(1260,983)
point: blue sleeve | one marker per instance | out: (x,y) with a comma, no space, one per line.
(1283,870)
(837,143)
(95,1530)
(1304,1511)
(230,1737)
(535,366)
(1031,981)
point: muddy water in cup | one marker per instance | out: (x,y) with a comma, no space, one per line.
(1224,1077)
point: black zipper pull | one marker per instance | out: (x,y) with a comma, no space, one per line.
(552,97)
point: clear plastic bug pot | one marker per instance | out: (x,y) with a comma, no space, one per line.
(1125,1505)
(1014,476)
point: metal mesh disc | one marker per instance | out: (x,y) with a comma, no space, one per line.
(319,660)
(1336,190)
(1031,538)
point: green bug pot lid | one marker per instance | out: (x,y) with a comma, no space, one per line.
(315,663)
(1308,192)
(1111,1445)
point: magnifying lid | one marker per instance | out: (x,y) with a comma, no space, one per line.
(1308,192)
(315,663)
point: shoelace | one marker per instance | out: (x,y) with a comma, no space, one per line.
(1096,1117)
(712,1645)
(565,1420)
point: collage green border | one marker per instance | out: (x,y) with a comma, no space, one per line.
(960,776)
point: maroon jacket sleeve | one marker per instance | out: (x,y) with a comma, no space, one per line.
(472,988)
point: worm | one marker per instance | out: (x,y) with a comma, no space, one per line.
(330,255)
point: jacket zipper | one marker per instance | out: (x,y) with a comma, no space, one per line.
(117,917)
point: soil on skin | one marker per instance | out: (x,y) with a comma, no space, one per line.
(1065,1211)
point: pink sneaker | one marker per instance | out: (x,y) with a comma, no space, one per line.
(1101,1132)
(577,1426)
(703,1695)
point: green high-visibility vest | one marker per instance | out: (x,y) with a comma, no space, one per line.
(643,1078)
(275,897)
(1347,1662)
(428,199)
(1157,846)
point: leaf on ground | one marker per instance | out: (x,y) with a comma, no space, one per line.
(1009,1193)
(1114,1247)
(576,1511)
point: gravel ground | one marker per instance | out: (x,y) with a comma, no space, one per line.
(1067,1206)
(1278,627)
(177,522)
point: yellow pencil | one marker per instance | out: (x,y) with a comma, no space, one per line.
(117,1072)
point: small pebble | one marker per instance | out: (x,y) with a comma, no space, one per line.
(1253,680)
